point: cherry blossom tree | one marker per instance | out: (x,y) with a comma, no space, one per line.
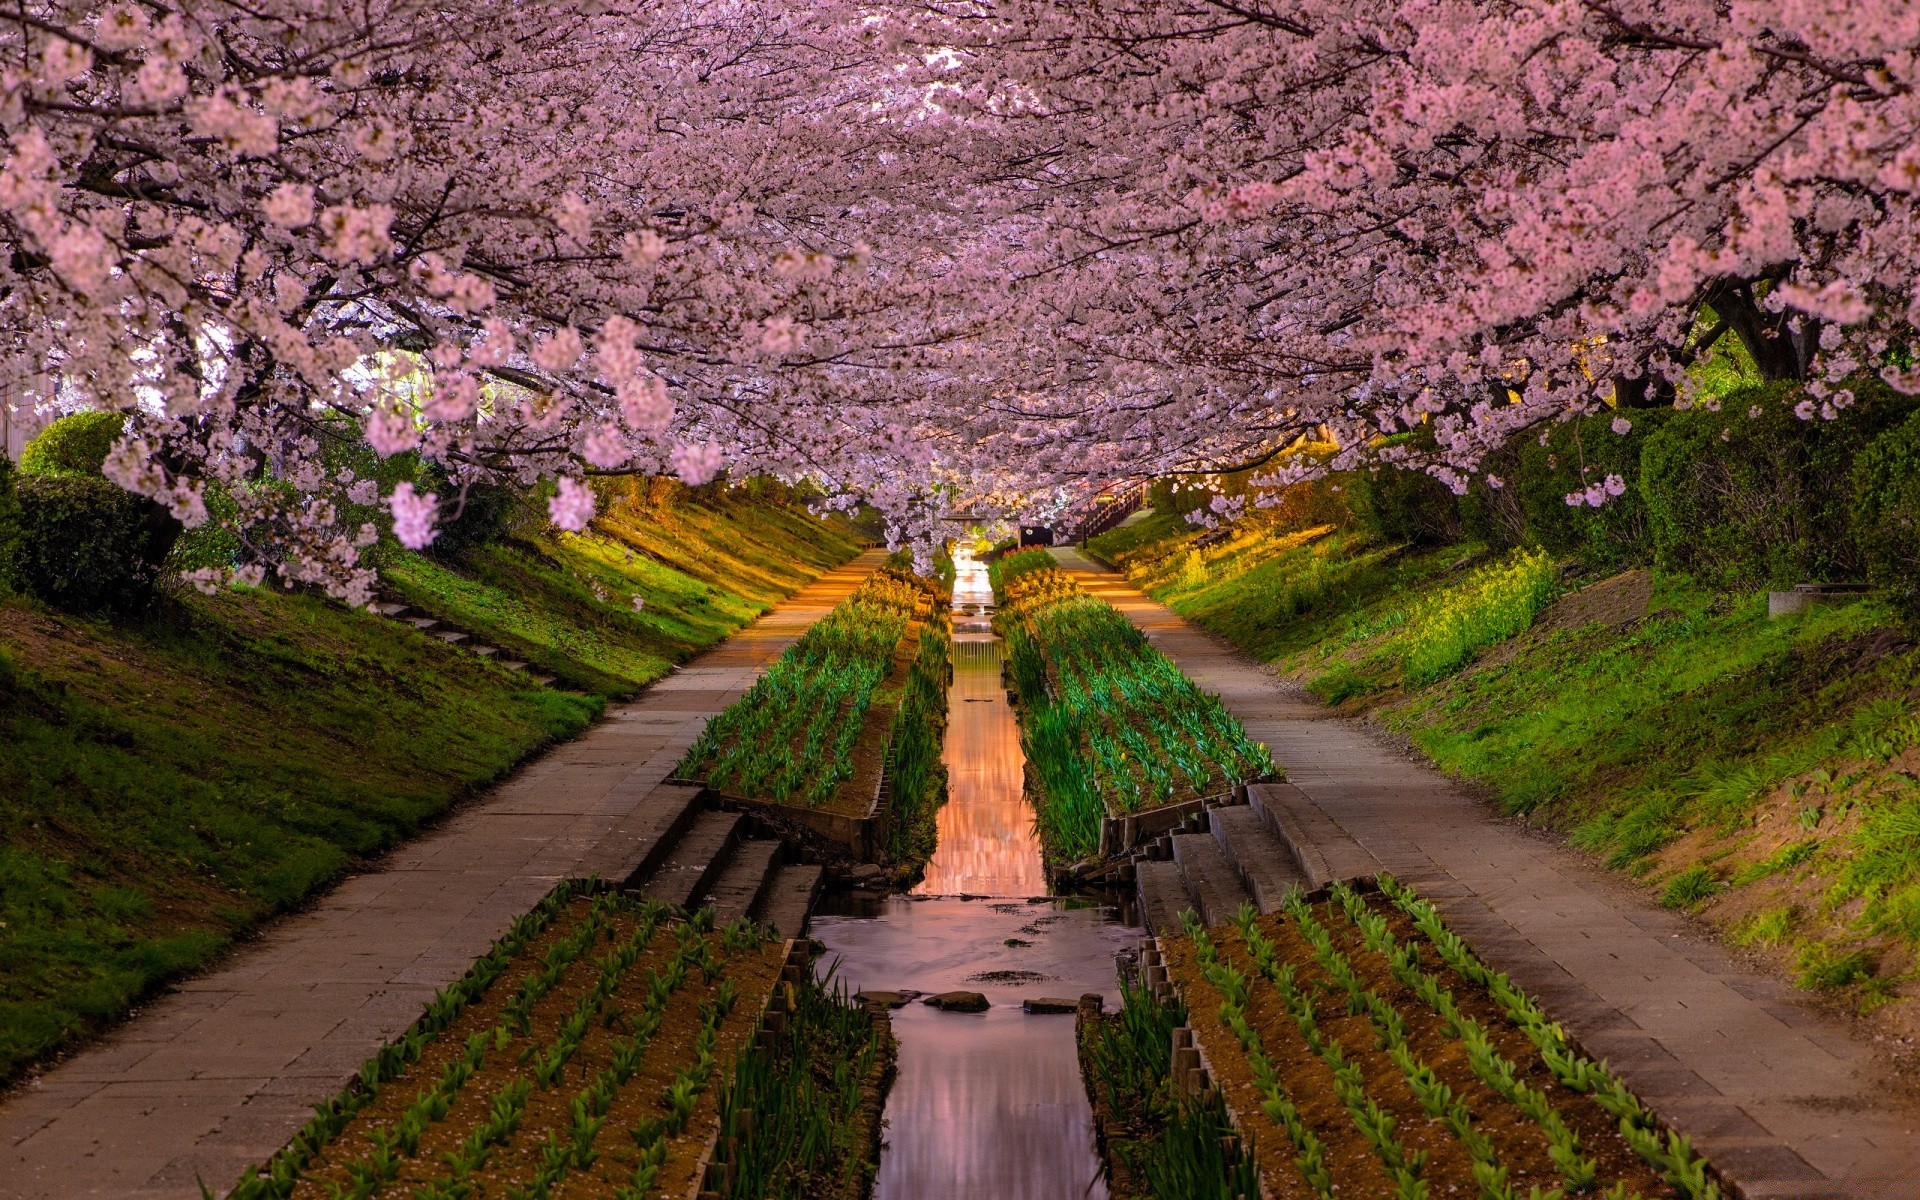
(921,251)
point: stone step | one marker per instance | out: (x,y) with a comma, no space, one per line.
(451,637)
(422,623)
(1322,850)
(1211,880)
(1264,862)
(485,651)
(1163,895)
(513,664)
(389,609)
(748,871)
(658,814)
(541,680)
(695,859)
(788,898)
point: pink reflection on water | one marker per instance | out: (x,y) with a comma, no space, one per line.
(987,842)
(987,1106)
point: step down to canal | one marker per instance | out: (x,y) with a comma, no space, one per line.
(1264,863)
(695,859)
(1321,849)
(1210,877)
(1163,895)
(737,887)
(788,899)
(640,840)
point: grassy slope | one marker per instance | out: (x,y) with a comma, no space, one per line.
(165,786)
(564,603)
(1760,772)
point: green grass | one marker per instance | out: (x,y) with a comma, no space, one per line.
(167,784)
(564,603)
(1704,732)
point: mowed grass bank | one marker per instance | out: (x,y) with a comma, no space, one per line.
(167,783)
(1763,773)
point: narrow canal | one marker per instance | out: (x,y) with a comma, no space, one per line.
(990,1103)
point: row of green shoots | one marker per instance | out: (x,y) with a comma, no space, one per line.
(802,1117)
(1111,725)
(488,1087)
(1399,1168)
(791,738)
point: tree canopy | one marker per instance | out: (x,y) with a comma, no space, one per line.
(1011,250)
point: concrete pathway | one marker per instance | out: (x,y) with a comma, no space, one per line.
(216,1075)
(1788,1102)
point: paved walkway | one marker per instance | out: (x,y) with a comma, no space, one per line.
(1786,1101)
(218,1074)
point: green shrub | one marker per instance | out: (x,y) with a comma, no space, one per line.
(1406,507)
(1885,521)
(86,545)
(9,521)
(73,445)
(1578,455)
(213,544)
(484,519)
(1750,495)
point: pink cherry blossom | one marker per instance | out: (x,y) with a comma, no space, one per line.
(572,505)
(696,464)
(413,516)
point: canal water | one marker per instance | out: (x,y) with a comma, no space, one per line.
(986,1104)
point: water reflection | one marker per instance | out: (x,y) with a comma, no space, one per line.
(986,1104)
(987,844)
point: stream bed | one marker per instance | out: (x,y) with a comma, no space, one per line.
(991,1103)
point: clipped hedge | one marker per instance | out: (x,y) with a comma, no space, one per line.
(9,522)
(1404,506)
(1578,455)
(87,545)
(1750,495)
(1886,514)
(73,445)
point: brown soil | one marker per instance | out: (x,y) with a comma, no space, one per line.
(549,1109)
(1308,1081)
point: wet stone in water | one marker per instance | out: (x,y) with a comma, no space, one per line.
(970,1002)
(1048,1005)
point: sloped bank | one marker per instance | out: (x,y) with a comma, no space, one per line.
(169,781)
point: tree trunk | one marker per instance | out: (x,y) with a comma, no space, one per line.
(1778,351)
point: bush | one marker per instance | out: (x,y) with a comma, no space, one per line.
(1885,521)
(484,519)
(86,545)
(1752,496)
(1578,455)
(9,521)
(73,445)
(1404,506)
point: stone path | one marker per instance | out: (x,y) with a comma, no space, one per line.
(217,1074)
(1788,1102)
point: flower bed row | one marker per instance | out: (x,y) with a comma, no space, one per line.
(576,1059)
(812,731)
(1369,1052)
(1111,725)
(1156,1141)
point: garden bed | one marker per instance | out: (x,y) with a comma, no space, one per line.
(576,1059)
(813,746)
(1112,727)
(1364,1050)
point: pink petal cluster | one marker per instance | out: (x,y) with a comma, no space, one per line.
(413,516)
(572,505)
